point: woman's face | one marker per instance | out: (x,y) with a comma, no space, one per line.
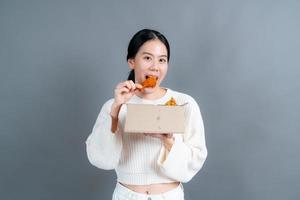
(150,60)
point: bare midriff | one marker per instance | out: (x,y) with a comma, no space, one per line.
(153,188)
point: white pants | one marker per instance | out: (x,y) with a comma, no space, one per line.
(123,193)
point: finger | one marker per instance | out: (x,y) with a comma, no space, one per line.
(120,85)
(132,85)
(167,135)
(138,85)
(123,84)
(159,136)
(123,90)
(128,85)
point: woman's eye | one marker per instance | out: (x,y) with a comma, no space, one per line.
(162,60)
(147,58)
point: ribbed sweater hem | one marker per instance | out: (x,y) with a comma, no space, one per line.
(141,178)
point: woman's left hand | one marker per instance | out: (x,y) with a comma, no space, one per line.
(166,138)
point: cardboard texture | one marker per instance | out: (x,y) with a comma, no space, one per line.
(145,118)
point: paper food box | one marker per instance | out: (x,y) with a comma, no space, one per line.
(147,118)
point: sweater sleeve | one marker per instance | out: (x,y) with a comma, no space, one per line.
(188,152)
(104,147)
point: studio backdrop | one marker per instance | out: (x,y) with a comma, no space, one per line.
(60,61)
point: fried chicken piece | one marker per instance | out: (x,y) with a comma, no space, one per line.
(149,82)
(171,102)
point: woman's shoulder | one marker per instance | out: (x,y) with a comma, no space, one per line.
(182,97)
(109,101)
(107,104)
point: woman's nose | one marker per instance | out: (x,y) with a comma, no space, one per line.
(154,68)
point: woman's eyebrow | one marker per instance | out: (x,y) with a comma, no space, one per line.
(153,55)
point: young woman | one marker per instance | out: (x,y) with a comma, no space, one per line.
(148,166)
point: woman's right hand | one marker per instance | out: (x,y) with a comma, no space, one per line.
(123,92)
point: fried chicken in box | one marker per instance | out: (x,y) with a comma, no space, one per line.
(171,102)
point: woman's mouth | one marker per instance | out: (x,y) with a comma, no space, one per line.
(148,76)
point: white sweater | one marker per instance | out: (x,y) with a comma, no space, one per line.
(143,160)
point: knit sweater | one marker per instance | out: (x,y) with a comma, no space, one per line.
(142,160)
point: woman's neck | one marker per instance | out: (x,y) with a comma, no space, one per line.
(156,94)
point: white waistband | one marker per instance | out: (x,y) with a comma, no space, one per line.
(126,192)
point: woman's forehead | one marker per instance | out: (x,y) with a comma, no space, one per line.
(154,47)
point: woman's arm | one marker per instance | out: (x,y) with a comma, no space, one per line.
(188,152)
(104,146)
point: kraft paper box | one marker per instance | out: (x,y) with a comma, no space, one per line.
(146,118)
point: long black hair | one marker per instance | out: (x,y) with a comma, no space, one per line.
(138,40)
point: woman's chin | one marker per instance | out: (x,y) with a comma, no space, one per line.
(149,90)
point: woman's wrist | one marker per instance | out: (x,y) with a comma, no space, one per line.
(114,113)
(115,108)
(168,142)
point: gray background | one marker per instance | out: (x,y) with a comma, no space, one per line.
(60,61)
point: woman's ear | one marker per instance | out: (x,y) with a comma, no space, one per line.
(130,63)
